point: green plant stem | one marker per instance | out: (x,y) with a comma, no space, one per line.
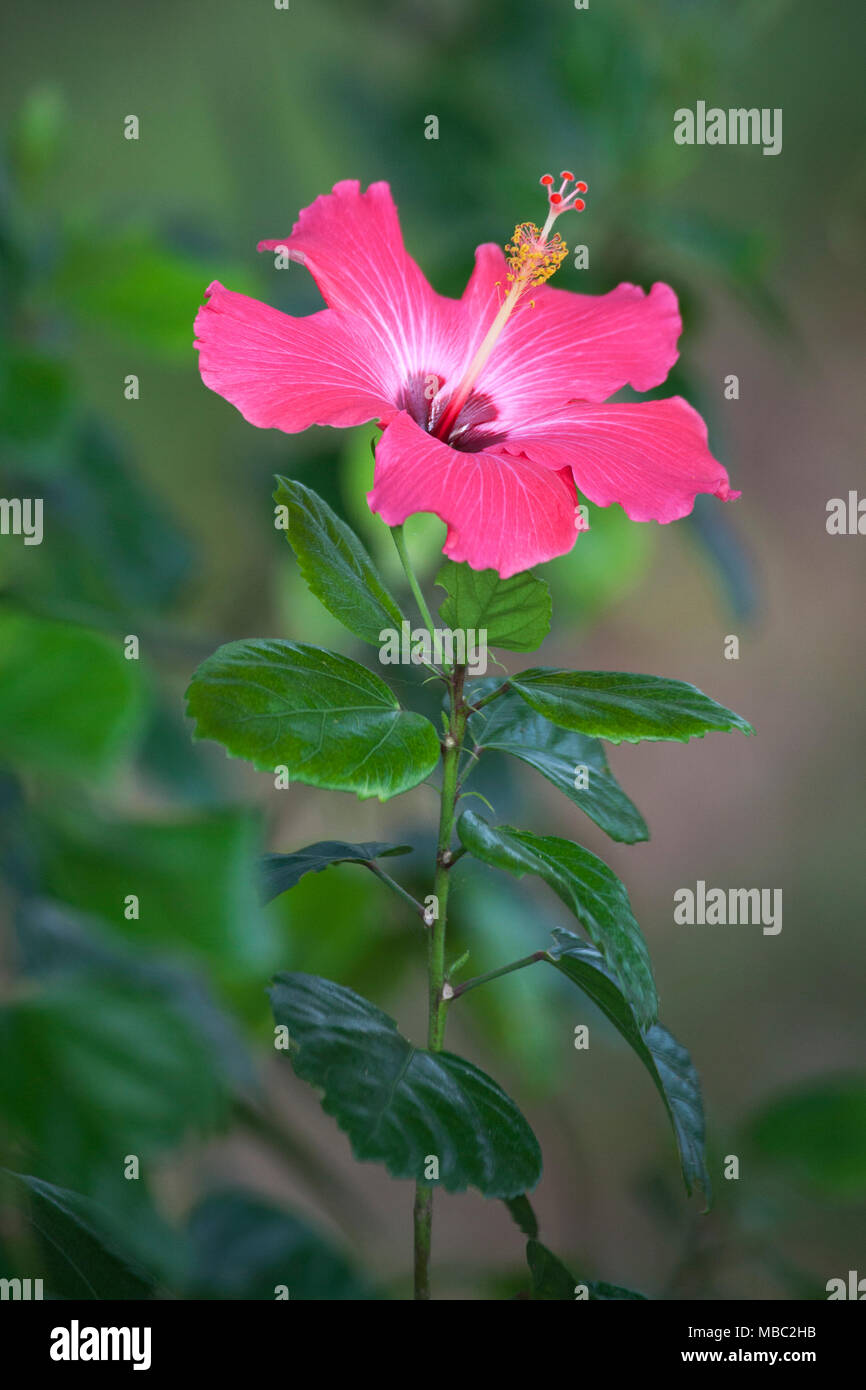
(423,1221)
(395,887)
(494,695)
(400,543)
(495,974)
(451,749)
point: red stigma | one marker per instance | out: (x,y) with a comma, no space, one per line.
(562,200)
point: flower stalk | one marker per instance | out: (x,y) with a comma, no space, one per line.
(400,543)
(457,990)
(452,747)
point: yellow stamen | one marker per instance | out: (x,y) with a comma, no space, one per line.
(533,256)
(532,261)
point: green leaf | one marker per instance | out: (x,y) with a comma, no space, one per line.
(35,399)
(550,1278)
(816,1135)
(335,565)
(80,1256)
(514,613)
(623,707)
(136,287)
(601,1292)
(114,544)
(552,1281)
(283,871)
(667,1062)
(54,941)
(194,878)
(508,726)
(90,1073)
(398,1103)
(588,888)
(331,722)
(245,1248)
(69,701)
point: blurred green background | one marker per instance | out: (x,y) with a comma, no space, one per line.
(149,1036)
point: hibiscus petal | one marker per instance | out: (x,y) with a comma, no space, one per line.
(650,457)
(559,346)
(352,244)
(502,512)
(289,373)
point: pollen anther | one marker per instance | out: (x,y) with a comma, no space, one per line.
(531,258)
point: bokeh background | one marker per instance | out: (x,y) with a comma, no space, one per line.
(152,1037)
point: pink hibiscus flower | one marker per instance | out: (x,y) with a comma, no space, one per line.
(493,405)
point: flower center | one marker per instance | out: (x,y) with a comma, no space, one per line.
(474,426)
(533,256)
